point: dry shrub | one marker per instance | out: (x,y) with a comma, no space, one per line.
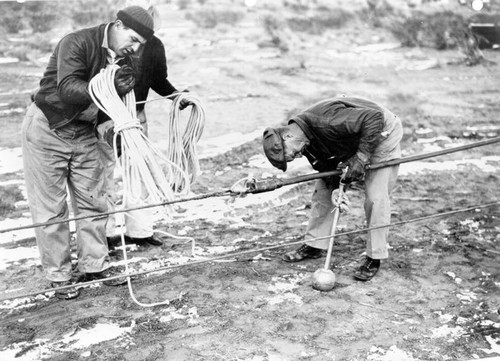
(39,16)
(377,12)
(208,18)
(43,16)
(297,5)
(275,28)
(93,12)
(320,21)
(440,30)
(11,16)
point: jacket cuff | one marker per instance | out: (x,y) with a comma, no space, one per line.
(363,157)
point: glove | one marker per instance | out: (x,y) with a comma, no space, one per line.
(109,135)
(124,80)
(355,169)
(184,104)
(344,203)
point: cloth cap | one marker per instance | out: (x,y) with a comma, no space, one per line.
(137,19)
(274,147)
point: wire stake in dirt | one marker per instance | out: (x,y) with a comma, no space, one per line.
(324,278)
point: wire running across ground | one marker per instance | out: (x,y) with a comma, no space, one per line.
(257,250)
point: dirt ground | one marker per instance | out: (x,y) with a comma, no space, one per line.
(436,298)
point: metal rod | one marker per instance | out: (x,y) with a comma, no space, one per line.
(336,214)
(277,184)
(312,176)
(389,163)
(432,154)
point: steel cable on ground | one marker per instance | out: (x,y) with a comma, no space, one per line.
(228,255)
(282,182)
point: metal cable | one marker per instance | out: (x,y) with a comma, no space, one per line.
(228,255)
(253,187)
(105,214)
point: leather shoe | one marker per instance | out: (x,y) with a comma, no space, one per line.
(152,240)
(95,276)
(114,241)
(367,270)
(67,293)
(303,252)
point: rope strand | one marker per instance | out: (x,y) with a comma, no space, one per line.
(142,165)
(147,175)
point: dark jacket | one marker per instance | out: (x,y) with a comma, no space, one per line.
(338,128)
(151,72)
(63,94)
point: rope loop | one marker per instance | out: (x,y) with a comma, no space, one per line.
(148,175)
(127,125)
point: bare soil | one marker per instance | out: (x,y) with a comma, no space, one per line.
(436,298)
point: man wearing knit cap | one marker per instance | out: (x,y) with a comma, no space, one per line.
(60,151)
(150,65)
(135,18)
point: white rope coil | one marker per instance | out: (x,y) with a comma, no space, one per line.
(181,146)
(148,175)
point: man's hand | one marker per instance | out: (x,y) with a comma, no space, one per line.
(184,103)
(124,80)
(355,169)
(344,203)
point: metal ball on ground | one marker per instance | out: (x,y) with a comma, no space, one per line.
(323,280)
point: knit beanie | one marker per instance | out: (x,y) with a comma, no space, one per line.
(137,19)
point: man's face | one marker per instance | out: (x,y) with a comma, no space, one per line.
(127,41)
(293,148)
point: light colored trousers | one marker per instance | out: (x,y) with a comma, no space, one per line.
(378,186)
(57,163)
(139,223)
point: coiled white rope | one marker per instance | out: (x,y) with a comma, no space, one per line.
(181,146)
(147,174)
(143,166)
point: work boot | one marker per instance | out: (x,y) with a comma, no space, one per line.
(67,293)
(367,270)
(152,240)
(302,253)
(95,276)
(114,241)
